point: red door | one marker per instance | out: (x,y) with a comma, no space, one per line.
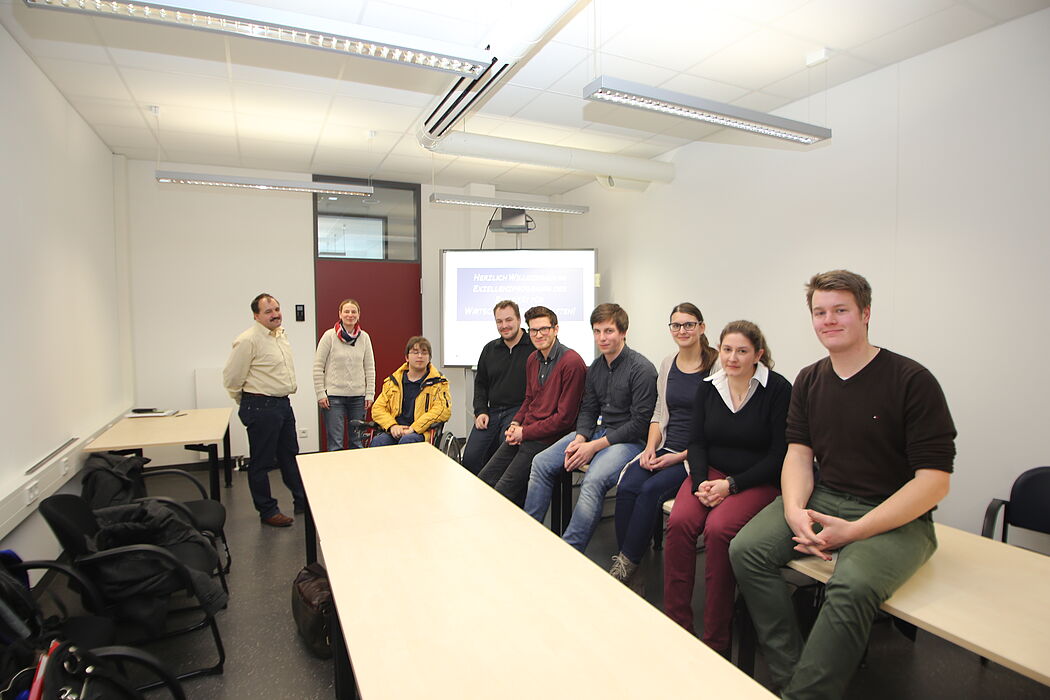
(390,300)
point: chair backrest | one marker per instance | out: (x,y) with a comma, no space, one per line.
(1029,505)
(71,519)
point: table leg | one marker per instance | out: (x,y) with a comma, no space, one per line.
(345,683)
(311,534)
(227,461)
(213,467)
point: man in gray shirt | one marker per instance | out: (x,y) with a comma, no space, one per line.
(620,389)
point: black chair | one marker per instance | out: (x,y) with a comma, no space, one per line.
(205,514)
(1028,507)
(138,581)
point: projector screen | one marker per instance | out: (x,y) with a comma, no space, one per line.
(472,281)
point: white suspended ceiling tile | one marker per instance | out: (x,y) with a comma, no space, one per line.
(203,157)
(560,110)
(550,64)
(613,16)
(1009,9)
(761,101)
(757,60)
(175,141)
(366,114)
(284,79)
(635,71)
(531,131)
(593,141)
(151,87)
(508,100)
(691,130)
(298,164)
(75,79)
(207,122)
(66,50)
(572,83)
(258,127)
(679,41)
(167,63)
(936,30)
(342,10)
(277,58)
(762,11)
(421,167)
(109,112)
(275,155)
(343,136)
(50,33)
(844,24)
(126,137)
(420,22)
(135,153)
(280,102)
(328,159)
(702,87)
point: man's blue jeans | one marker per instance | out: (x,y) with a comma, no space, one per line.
(601,476)
(341,408)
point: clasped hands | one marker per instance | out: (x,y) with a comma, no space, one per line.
(711,493)
(399,431)
(835,533)
(578,453)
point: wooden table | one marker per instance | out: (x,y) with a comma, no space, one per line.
(984,595)
(200,430)
(445,589)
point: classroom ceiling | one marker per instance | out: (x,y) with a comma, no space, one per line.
(238,102)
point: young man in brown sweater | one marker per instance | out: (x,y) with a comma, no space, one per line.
(880,430)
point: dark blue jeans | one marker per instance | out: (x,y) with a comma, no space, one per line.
(272,443)
(639,503)
(340,409)
(482,444)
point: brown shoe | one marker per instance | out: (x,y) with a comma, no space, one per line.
(278,520)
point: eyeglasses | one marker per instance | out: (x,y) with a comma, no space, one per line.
(688,325)
(544,330)
(417,351)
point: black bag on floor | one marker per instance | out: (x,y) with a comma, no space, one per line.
(312,609)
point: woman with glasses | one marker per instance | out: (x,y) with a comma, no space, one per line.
(344,375)
(655,475)
(735,455)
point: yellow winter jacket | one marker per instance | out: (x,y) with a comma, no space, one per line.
(433,405)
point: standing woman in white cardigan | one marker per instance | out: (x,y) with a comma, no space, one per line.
(344,375)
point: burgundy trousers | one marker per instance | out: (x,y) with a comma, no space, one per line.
(719,524)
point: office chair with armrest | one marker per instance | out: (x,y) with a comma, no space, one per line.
(1028,507)
(138,581)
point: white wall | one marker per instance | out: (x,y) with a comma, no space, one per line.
(65,328)
(199,255)
(935,186)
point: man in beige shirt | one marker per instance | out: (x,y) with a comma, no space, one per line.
(260,375)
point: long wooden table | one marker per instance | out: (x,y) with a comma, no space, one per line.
(200,430)
(445,589)
(985,596)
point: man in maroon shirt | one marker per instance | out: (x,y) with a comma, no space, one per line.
(880,430)
(554,377)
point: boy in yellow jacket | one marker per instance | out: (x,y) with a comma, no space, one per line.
(415,398)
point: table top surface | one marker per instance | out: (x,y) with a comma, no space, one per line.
(192,426)
(984,595)
(446,589)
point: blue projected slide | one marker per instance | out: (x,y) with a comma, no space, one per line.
(474,280)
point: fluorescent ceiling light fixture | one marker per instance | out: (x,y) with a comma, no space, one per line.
(471,201)
(286,27)
(624,92)
(256,183)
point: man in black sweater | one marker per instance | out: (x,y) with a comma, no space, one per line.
(879,427)
(499,386)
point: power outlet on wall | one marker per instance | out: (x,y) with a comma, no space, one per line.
(303,433)
(65,465)
(32,492)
